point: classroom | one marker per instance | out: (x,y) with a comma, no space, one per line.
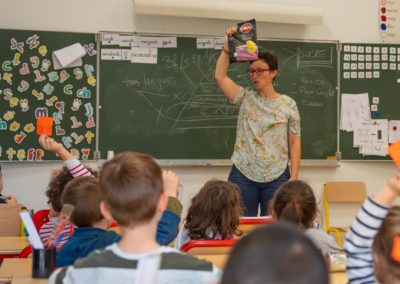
(353,22)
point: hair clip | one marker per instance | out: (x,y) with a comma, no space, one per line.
(396,249)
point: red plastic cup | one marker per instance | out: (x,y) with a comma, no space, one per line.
(44,125)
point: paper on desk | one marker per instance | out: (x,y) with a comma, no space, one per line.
(67,57)
(33,236)
(354,108)
(394,130)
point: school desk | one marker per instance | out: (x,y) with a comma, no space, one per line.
(12,246)
(18,271)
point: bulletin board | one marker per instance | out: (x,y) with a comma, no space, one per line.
(373,69)
(31,87)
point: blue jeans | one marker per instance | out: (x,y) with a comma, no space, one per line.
(255,194)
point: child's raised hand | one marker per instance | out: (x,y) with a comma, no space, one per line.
(394,184)
(49,144)
(171,183)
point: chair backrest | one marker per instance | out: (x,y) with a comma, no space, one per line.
(10,222)
(345,192)
(247,224)
(40,217)
(215,251)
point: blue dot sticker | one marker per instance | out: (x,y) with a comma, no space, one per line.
(383,27)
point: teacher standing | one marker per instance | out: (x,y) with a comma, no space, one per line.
(268,129)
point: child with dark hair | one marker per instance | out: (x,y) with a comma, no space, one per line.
(214,214)
(134,190)
(53,193)
(373,241)
(277,253)
(295,202)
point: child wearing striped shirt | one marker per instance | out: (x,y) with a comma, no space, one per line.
(372,251)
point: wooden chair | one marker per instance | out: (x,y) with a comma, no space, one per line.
(10,222)
(247,224)
(342,192)
(215,251)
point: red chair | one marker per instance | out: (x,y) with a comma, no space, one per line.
(247,224)
(40,217)
(25,252)
(215,251)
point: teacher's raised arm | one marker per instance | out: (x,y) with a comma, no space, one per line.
(268,129)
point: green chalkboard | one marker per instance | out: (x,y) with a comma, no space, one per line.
(372,69)
(30,87)
(174,109)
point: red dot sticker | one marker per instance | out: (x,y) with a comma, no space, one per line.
(383,18)
(394,128)
(383,10)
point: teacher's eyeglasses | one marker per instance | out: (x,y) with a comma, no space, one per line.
(258,72)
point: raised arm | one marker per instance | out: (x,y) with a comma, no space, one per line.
(76,168)
(169,223)
(227,86)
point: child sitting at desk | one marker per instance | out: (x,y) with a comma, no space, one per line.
(295,202)
(132,187)
(214,214)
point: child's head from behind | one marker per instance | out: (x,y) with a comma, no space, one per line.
(216,209)
(294,201)
(387,270)
(56,187)
(278,253)
(85,195)
(132,187)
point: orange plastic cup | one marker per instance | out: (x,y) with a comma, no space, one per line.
(44,125)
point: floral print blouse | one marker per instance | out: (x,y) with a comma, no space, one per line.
(261,147)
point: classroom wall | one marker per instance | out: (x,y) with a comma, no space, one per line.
(341,21)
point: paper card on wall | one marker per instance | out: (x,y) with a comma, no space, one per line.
(360,49)
(346,66)
(144,55)
(111,54)
(375,100)
(346,75)
(384,50)
(346,57)
(219,43)
(368,49)
(361,57)
(392,50)
(168,42)
(394,130)
(392,58)
(353,48)
(346,48)
(372,134)
(368,57)
(376,49)
(128,40)
(110,39)
(354,107)
(374,108)
(392,66)
(67,57)
(394,152)
(361,75)
(368,74)
(376,57)
(353,75)
(376,74)
(354,57)
(353,66)
(384,57)
(126,54)
(205,42)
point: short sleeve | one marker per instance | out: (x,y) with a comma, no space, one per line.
(239,97)
(294,119)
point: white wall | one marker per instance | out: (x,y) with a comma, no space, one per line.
(343,20)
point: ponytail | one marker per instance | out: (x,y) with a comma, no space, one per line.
(292,213)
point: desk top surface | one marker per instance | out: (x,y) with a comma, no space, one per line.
(11,245)
(18,271)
